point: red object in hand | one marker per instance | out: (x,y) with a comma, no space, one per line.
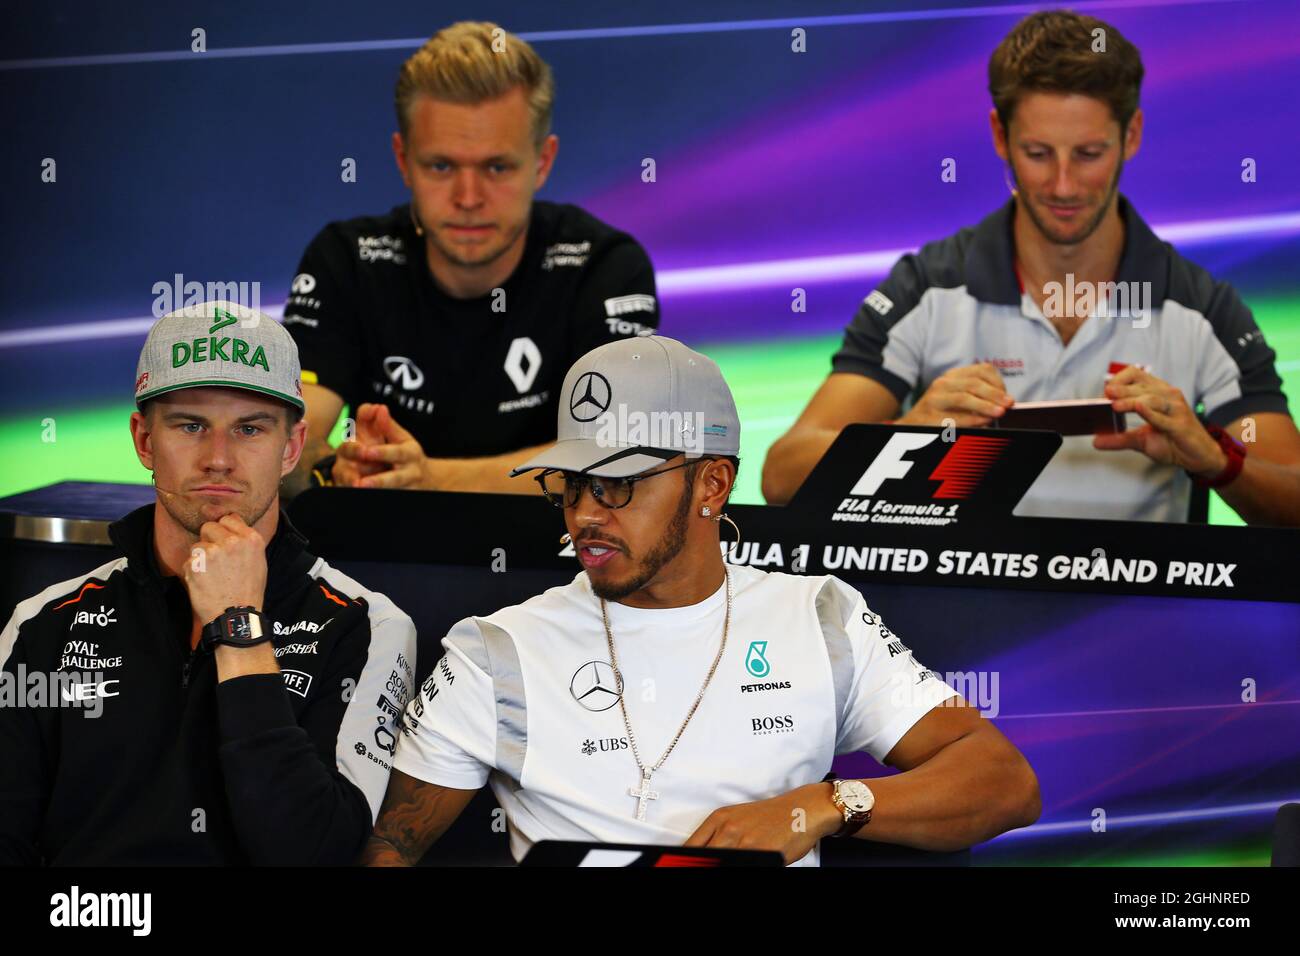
(1236,453)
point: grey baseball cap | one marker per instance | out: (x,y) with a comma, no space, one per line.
(219,343)
(629,405)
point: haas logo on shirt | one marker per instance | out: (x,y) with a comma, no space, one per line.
(1116,367)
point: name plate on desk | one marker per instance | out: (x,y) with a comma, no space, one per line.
(924,476)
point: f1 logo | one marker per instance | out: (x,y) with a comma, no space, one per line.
(890,463)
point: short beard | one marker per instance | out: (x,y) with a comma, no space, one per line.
(193,521)
(1043,228)
(669,546)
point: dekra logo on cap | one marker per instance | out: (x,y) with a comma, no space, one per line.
(213,349)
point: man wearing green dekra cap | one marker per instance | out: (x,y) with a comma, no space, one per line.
(219,694)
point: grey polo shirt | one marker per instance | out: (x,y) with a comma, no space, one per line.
(957,302)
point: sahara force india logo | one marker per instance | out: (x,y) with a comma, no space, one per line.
(212,348)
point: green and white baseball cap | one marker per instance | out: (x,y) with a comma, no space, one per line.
(630,405)
(219,343)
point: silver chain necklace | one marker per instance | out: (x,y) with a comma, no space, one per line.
(644,793)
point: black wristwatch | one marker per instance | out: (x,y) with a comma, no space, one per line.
(322,473)
(236,627)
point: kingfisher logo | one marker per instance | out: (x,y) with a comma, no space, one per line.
(959,473)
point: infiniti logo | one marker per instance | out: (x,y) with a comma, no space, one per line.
(591,393)
(596,686)
(402,371)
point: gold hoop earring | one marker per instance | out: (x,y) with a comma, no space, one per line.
(419,229)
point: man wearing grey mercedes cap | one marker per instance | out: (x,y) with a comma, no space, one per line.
(664,697)
(244,694)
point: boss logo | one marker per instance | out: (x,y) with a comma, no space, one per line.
(782,724)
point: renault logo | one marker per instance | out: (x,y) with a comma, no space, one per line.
(590,397)
(596,686)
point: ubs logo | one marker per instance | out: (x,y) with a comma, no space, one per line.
(604,745)
(596,686)
(590,397)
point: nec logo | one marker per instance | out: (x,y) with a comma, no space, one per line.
(89,691)
(959,471)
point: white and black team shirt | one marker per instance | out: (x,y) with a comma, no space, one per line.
(525,698)
(467,377)
(957,302)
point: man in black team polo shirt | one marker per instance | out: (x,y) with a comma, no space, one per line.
(448,323)
(1065,293)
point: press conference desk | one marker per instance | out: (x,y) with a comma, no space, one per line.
(1150,673)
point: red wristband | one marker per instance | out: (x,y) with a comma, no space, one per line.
(1236,453)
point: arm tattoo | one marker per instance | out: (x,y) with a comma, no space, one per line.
(413,816)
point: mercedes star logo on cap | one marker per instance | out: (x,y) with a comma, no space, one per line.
(591,389)
(596,686)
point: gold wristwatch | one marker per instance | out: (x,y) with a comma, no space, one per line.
(854,799)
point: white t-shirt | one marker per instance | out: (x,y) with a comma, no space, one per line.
(809,671)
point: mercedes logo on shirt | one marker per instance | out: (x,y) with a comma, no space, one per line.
(591,395)
(402,371)
(596,686)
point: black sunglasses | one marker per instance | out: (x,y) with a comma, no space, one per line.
(564,488)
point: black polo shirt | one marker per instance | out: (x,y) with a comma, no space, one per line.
(467,377)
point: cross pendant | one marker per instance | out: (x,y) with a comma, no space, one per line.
(643,794)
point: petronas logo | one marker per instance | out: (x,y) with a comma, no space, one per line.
(755,662)
(224,349)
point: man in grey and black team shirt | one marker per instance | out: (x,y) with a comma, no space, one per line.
(1000,313)
(448,323)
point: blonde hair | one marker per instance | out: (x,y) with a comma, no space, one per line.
(469,62)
